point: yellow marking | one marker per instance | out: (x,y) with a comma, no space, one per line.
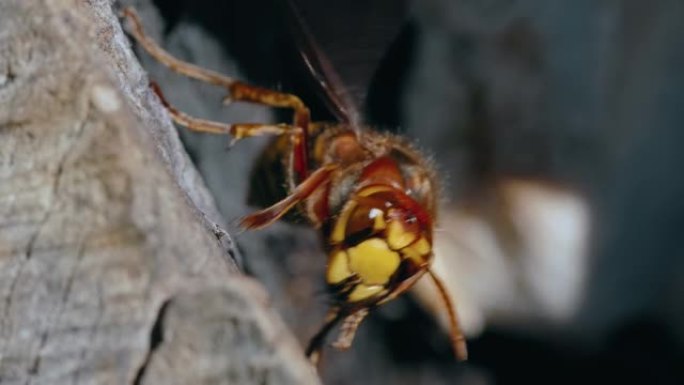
(373,261)
(378,219)
(419,251)
(362,292)
(339,231)
(412,254)
(338,268)
(398,237)
(422,246)
(370,190)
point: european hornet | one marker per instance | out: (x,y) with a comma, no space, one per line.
(371,195)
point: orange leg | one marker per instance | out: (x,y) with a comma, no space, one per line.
(302,118)
(265,217)
(238,91)
(237,130)
(457,339)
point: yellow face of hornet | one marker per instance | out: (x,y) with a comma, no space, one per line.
(379,245)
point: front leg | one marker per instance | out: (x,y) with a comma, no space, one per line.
(315,348)
(348,331)
(304,190)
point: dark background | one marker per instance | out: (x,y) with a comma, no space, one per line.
(587,94)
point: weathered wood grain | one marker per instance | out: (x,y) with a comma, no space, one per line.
(113,267)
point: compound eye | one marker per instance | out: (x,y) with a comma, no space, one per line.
(364,222)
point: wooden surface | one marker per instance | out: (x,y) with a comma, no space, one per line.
(113,265)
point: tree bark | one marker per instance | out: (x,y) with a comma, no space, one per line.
(113,265)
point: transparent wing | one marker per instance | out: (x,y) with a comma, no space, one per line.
(342,44)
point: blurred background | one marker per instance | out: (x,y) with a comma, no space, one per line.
(554,126)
